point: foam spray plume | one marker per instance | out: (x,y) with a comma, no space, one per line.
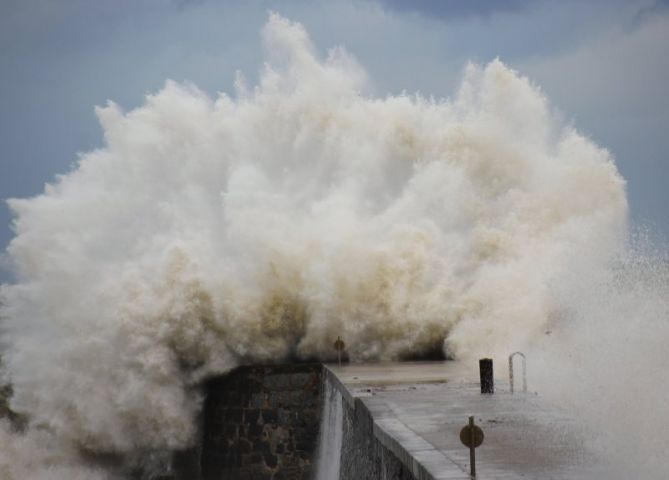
(256,227)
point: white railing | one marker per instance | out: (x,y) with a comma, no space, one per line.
(511,370)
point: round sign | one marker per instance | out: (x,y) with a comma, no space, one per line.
(465,436)
(339,344)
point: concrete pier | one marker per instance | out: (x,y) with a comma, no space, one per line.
(418,408)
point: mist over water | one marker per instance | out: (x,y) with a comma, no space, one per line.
(606,361)
(260,225)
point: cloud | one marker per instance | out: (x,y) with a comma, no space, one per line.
(455,8)
(615,86)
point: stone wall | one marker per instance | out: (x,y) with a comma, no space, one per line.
(362,455)
(377,445)
(261,423)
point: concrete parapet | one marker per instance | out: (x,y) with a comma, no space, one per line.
(378,445)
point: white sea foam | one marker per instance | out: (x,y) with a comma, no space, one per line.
(261,225)
(328,459)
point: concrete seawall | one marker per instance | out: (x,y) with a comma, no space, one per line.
(261,423)
(402,421)
(378,446)
(399,421)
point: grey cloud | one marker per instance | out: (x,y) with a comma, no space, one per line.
(615,89)
(456,8)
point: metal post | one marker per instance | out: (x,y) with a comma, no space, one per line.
(511,372)
(511,377)
(471,436)
(485,370)
(339,345)
(472,448)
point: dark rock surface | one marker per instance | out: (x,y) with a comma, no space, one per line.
(261,423)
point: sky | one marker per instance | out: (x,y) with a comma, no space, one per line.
(604,65)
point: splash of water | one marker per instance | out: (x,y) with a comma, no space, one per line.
(605,358)
(213,232)
(331,434)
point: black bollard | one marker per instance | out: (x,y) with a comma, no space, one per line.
(485,368)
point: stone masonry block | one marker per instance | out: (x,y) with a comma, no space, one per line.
(262,422)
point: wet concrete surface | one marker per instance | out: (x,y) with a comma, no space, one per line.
(421,406)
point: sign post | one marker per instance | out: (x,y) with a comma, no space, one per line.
(339,345)
(471,436)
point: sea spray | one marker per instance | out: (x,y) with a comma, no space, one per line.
(331,434)
(259,226)
(604,357)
